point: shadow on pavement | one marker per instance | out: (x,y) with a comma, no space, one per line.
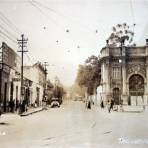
(4,123)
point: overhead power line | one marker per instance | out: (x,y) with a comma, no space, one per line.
(8,32)
(8,37)
(47,16)
(42,12)
(10,23)
(13,1)
(69,19)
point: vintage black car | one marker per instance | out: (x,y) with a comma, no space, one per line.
(57,96)
(55,102)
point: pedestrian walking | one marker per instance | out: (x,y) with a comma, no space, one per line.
(16,105)
(102,104)
(111,104)
(20,108)
(35,103)
(11,105)
(121,106)
(44,103)
(108,105)
(89,105)
(24,105)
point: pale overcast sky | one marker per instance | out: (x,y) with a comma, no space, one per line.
(45,24)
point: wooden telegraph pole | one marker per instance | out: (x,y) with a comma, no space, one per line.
(22,44)
(45,66)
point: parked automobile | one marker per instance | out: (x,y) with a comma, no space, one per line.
(58,94)
(55,102)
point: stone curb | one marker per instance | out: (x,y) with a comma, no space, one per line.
(30,113)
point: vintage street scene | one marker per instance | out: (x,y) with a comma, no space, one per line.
(73,73)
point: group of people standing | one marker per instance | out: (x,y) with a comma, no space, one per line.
(16,105)
(110,104)
(13,106)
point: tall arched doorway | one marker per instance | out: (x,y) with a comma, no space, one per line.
(136,86)
(116,95)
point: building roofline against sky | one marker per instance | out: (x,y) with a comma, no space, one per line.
(40,66)
(113,47)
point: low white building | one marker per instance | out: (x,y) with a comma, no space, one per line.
(36,74)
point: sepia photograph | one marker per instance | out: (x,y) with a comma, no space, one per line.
(73,73)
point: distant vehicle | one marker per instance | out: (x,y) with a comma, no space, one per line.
(57,96)
(55,102)
(78,98)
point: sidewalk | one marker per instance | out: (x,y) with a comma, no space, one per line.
(139,108)
(32,111)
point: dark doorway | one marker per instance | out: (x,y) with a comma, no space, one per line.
(116,95)
(5,97)
(11,91)
(16,92)
(136,89)
(27,96)
(38,95)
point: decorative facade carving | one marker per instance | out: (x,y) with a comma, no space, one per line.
(134,68)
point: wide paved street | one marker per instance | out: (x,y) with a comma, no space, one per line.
(74,126)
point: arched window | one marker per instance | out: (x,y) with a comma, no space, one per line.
(136,85)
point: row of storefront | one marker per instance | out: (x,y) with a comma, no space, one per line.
(10,80)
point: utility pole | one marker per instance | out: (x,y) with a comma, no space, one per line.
(45,87)
(45,66)
(1,71)
(22,44)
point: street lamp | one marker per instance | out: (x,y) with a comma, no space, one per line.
(122,41)
(120,62)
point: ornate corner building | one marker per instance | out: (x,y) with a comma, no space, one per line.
(124,73)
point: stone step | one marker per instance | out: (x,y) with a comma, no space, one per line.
(131,108)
